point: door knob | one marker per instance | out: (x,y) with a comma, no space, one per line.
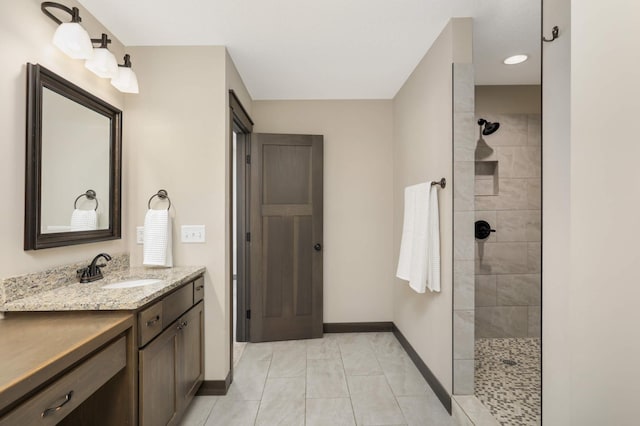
(317,247)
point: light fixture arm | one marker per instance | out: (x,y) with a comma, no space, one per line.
(103,40)
(127,62)
(74,12)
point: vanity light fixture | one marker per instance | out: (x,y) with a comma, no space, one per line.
(69,37)
(126,80)
(102,63)
(515,59)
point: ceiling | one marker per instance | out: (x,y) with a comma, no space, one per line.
(330,49)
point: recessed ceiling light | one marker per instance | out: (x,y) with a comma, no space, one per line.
(515,59)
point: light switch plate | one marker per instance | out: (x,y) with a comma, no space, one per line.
(192,233)
(140,234)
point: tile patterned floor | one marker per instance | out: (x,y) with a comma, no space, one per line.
(511,392)
(341,379)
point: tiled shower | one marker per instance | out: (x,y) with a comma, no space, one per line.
(507,196)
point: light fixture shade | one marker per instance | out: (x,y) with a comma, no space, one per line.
(73,40)
(126,80)
(102,63)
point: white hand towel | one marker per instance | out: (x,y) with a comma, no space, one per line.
(84,220)
(157,239)
(419,261)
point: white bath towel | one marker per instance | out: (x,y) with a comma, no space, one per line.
(419,261)
(84,220)
(158,250)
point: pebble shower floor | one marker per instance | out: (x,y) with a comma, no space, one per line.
(508,380)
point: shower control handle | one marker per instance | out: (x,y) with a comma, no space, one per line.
(483,230)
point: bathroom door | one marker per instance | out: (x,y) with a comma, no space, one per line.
(285,240)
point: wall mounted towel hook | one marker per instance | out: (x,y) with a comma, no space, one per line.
(442,182)
(554,35)
(163,195)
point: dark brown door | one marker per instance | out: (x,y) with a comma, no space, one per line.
(285,237)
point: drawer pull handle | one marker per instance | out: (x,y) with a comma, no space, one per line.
(153,321)
(182,325)
(200,287)
(52,410)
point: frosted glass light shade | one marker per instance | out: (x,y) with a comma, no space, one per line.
(126,80)
(102,63)
(73,40)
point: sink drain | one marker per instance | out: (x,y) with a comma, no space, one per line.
(509,362)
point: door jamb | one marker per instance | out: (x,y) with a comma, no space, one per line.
(239,122)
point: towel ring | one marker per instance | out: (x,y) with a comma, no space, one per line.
(163,195)
(90,194)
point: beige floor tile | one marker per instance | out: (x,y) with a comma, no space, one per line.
(282,412)
(373,402)
(326,379)
(230,412)
(329,411)
(199,411)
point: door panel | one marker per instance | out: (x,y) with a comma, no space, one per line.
(286,223)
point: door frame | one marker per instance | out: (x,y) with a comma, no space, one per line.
(240,123)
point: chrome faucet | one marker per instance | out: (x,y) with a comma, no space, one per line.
(93,272)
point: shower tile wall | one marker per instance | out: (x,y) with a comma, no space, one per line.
(507,264)
(464,131)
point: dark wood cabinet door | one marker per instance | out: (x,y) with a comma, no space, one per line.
(286,237)
(191,350)
(158,377)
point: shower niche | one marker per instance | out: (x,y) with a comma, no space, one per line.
(487,180)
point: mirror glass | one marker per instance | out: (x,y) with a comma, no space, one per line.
(73,164)
(75,144)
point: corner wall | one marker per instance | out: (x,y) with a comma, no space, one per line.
(422,151)
(178,131)
(357,198)
(25,36)
(605,200)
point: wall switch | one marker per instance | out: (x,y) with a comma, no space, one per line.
(140,234)
(192,234)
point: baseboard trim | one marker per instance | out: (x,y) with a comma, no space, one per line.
(428,375)
(215,387)
(357,327)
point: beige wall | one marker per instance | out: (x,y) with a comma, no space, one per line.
(357,198)
(605,199)
(25,36)
(514,99)
(423,151)
(177,131)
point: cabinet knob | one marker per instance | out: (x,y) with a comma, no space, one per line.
(317,247)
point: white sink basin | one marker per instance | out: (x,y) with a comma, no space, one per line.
(132,283)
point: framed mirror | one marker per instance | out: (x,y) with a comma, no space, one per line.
(73,164)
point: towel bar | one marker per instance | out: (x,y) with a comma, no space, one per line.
(442,182)
(163,195)
(90,194)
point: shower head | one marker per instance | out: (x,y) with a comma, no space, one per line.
(489,127)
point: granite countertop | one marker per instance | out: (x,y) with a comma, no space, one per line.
(92,297)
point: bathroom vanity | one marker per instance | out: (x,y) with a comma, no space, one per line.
(104,356)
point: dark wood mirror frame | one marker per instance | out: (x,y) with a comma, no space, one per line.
(38,78)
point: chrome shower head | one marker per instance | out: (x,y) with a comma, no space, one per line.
(489,127)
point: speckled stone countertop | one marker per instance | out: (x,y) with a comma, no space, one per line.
(92,297)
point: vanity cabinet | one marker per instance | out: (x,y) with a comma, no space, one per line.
(171,355)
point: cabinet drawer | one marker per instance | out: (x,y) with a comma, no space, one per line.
(150,323)
(177,303)
(56,401)
(198,290)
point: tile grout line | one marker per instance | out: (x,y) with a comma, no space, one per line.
(386,379)
(353,410)
(263,387)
